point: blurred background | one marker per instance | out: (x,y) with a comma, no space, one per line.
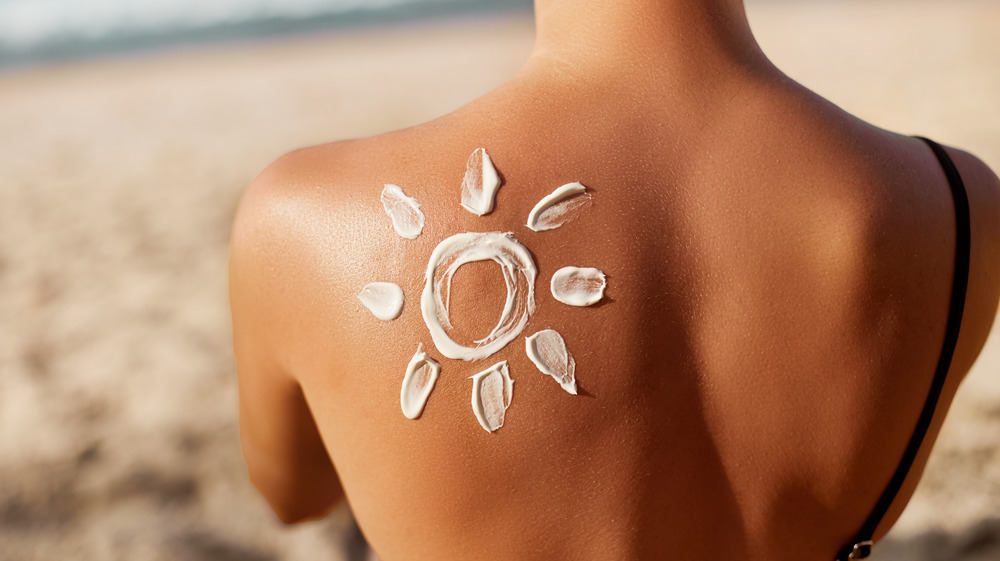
(128,131)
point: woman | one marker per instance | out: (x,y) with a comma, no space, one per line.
(793,297)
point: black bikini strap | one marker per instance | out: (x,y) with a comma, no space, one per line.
(860,548)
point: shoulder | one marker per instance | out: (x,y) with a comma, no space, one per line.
(299,196)
(275,211)
(983,188)
(285,234)
(298,180)
(309,232)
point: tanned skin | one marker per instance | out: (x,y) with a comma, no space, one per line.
(779,274)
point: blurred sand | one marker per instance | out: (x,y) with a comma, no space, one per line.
(118,183)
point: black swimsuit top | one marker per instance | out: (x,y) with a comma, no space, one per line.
(861,546)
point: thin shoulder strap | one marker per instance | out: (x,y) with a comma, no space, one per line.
(860,548)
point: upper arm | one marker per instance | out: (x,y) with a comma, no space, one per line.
(287,460)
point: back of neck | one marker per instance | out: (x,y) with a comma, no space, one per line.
(677,35)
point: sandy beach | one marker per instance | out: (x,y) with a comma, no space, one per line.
(119,179)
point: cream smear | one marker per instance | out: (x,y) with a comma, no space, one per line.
(519,272)
(383,299)
(578,286)
(548,351)
(492,391)
(404,211)
(421,374)
(479,189)
(559,207)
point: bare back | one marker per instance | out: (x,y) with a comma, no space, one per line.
(778,283)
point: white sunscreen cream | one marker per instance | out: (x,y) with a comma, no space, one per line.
(421,374)
(578,286)
(404,211)
(548,351)
(558,208)
(383,299)
(519,272)
(492,391)
(479,189)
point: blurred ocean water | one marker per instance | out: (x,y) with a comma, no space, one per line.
(34,31)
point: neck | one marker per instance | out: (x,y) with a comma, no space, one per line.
(618,34)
